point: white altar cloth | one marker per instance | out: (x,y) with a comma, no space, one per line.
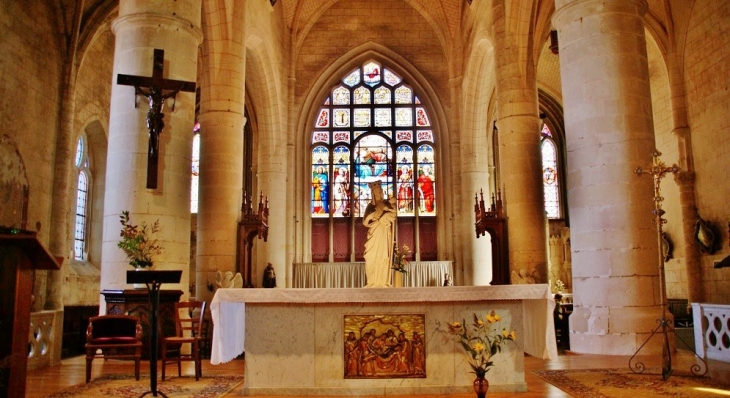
(228,310)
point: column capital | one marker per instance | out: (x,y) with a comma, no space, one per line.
(570,10)
(153,20)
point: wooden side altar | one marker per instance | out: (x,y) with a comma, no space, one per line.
(20,254)
(294,338)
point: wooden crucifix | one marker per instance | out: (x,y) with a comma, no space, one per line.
(157,89)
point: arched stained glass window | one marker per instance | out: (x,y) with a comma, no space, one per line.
(371,127)
(550,178)
(81,161)
(195,169)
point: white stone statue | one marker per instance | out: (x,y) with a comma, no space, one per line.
(228,280)
(379,218)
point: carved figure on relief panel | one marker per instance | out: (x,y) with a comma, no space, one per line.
(352,355)
(419,354)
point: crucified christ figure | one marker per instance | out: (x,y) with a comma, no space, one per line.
(155,124)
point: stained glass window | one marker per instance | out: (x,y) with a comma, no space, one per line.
(195,169)
(370,140)
(82,196)
(550,178)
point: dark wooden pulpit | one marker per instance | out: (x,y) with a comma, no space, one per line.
(20,254)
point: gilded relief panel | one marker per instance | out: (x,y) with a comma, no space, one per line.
(384,346)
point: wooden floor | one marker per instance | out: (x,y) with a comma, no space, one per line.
(72,371)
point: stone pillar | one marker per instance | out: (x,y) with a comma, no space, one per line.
(686,178)
(688,203)
(140,28)
(64,189)
(221,147)
(272,182)
(477,251)
(520,158)
(609,133)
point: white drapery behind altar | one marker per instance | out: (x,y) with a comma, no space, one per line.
(343,275)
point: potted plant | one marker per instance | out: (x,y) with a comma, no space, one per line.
(481,341)
(138,242)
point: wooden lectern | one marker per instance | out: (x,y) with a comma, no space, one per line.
(153,280)
(20,254)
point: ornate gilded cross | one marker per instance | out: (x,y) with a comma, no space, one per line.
(658,170)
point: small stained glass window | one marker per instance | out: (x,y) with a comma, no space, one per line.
(341,118)
(382,95)
(550,178)
(404,117)
(362,117)
(383,117)
(341,96)
(371,74)
(82,197)
(403,95)
(362,96)
(195,172)
(391,78)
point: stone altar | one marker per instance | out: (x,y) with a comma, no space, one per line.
(293,338)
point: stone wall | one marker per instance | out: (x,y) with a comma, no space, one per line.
(707,73)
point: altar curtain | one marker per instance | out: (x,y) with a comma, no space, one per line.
(344,275)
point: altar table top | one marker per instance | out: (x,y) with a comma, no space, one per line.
(228,309)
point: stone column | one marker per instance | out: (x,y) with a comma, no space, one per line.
(609,133)
(221,146)
(64,189)
(272,182)
(686,178)
(140,28)
(519,147)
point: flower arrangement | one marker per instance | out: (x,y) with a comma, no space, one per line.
(399,258)
(137,241)
(481,340)
(559,286)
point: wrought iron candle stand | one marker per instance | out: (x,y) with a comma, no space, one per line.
(658,170)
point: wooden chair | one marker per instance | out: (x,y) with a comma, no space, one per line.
(117,336)
(189,318)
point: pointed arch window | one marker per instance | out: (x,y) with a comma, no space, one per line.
(195,169)
(550,174)
(371,127)
(83,177)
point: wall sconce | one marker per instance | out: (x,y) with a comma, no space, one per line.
(554,41)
